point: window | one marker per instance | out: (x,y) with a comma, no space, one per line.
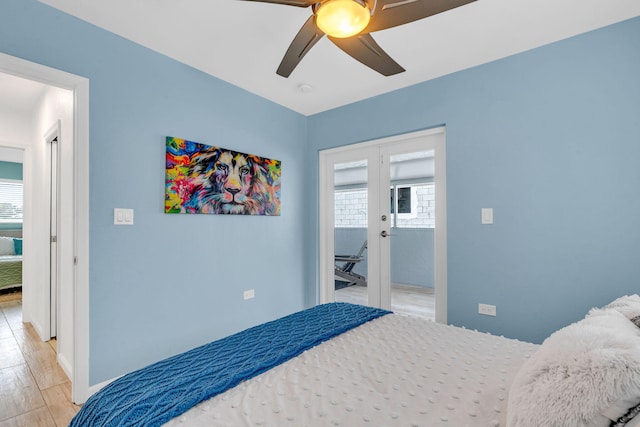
(413,205)
(406,200)
(10,201)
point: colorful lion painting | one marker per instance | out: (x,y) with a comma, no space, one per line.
(212,180)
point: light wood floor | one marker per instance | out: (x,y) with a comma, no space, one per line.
(34,390)
(405,299)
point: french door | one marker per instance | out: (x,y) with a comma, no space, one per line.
(383,224)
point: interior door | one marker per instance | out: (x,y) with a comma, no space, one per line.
(50,260)
(53,232)
(387,191)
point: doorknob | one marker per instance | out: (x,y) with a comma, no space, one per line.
(384,233)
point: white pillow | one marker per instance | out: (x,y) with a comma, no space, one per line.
(629,305)
(634,422)
(6,246)
(577,374)
(620,408)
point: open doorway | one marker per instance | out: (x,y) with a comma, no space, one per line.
(32,113)
(11,218)
(32,126)
(65,100)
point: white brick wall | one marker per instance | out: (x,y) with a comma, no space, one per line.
(425,217)
(351,209)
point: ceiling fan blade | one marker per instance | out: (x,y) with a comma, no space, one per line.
(308,36)
(365,49)
(299,3)
(391,13)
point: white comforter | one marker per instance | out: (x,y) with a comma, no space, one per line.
(392,371)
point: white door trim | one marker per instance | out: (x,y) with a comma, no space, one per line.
(80,87)
(326,215)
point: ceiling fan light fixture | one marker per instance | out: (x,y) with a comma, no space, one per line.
(342,18)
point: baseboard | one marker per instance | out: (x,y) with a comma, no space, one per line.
(93,389)
(39,330)
(65,365)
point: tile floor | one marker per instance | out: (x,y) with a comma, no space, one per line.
(405,299)
(34,390)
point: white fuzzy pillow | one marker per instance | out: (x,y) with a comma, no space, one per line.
(578,373)
(6,246)
(629,305)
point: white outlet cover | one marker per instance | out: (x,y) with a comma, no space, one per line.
(486,309)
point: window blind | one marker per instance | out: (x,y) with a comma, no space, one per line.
(10,201)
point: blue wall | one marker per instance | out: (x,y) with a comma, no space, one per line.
(412,256)
(549,139)
(411,253)
(169,282)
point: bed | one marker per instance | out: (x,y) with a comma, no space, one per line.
(10,259)
(341,364)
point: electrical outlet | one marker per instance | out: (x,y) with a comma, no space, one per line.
(486,309)
(248,294)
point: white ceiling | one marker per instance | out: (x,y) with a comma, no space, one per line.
(243,42)
(19,96)
(18,99)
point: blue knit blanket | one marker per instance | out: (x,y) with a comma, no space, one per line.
(153,395)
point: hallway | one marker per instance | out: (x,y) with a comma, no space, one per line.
(34,390)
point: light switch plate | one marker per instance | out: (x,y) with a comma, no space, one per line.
(487,215)
(122,216)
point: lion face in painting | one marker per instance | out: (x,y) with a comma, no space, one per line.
(228,182)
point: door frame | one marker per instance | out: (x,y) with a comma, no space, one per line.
(80,390)
(326,215)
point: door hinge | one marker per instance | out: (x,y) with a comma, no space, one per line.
(54,239)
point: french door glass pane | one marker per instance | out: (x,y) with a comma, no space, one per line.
(412,233)
(350,231)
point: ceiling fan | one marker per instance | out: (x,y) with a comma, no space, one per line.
(348,24)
